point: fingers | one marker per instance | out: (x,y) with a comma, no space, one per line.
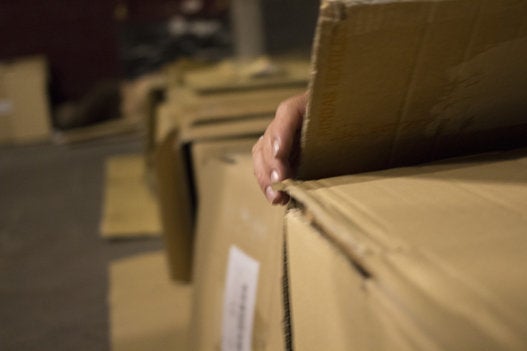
(287,122)
(268,170)
(271,152)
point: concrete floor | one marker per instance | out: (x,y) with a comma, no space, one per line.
(53,265)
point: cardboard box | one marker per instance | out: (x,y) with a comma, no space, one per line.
(24,103)
(146,310)
(402,82)
(222,116)
(421,258)
(176,206)
(232,111)
(199,112)
(225,113)
(234,215)
(212,94)
(262,73)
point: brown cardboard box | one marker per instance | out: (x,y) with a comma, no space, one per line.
(232,112)
(401,82)
(24,104)
(146,310)
(212,100)
(221,116)
(421,258)
(129,208)
(262,73)
(233,213)
(175,206)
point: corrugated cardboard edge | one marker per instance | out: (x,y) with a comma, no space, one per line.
(330,13)
(176,205)
(395,262)
(460,118)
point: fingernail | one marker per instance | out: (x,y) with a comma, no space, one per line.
(270,193)
(274,176)
(276,147)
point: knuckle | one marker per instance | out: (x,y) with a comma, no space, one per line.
(282,109)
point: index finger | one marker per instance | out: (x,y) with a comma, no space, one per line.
(287,122)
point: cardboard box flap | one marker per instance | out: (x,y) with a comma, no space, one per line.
(243,127)
(236,76)
(450,238)
(402,82)
(231,114)
(232,105)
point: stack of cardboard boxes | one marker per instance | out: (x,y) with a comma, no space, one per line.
(417,258)
(209,199)
(199,111)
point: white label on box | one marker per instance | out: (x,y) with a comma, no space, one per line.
(239,301)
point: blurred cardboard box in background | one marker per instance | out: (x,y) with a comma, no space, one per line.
(24,103)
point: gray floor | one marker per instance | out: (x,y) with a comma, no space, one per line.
(53,265)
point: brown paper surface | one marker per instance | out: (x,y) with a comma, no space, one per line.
(147,311)
(429,257)
(129,209)
(24,103)
(403,82)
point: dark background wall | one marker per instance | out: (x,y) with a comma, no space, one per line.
(81,37)
(289,24)
(77,36)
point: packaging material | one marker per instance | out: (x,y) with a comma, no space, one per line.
(401,82)
(137,93)
(176,205)
(260,73)
(224,114)
(418,258)
(130,209)
(247,27)
(204,95)
(120,126)
(24,103)
(233,216)
(216,117)
(147,311)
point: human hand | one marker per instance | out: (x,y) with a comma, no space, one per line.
(275,152)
